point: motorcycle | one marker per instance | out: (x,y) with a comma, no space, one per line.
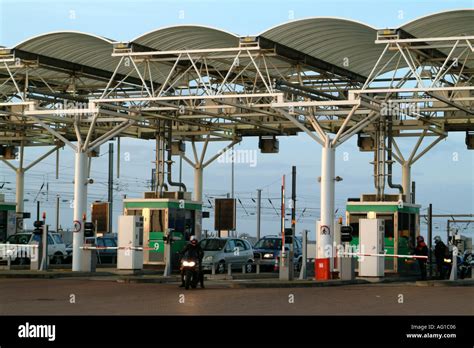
(190,269)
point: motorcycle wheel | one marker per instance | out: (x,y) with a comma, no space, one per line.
(187,279)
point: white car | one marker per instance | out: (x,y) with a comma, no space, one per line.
(223,251)
(56,247)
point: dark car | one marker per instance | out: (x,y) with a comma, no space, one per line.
(106,241)
(268,249)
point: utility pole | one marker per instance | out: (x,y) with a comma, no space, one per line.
(111,184)
(232,176)
(293,200)
(259,212)
(430,237)
(57,213)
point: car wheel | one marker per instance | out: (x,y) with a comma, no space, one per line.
(249,267)
(58,258)
(220,269)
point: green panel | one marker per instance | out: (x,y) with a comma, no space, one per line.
(381,209)
(389,244)
(162,205)
(7,207)
(156,237)
(178,242)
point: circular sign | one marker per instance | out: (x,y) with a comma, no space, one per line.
(76,226)
(325,230)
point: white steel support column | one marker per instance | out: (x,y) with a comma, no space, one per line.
(198,171)
(406,180)
(325,233)
(20,189)
(80,206)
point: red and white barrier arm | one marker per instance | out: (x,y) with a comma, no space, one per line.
(116,248)
(387,255)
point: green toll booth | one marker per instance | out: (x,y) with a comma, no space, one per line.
(182,217)
(402,226)
(7,219)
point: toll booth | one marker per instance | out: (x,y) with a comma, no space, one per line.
(182,217)
(7,219)
(402,226)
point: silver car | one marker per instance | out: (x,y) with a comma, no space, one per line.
(221,252)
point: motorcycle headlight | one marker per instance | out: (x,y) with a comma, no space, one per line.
(447,260)
(189,263)
(208,258)
(268,256)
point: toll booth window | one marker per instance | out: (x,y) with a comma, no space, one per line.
(388,225)
(176,219)
(354,223)
(157,220)
(406,241)
(137,212)
(189,225)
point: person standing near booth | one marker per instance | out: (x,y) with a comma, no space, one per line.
(421,250)
(440,252)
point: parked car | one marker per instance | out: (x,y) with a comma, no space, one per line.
(105,255)
(223,251)
(56,248)
(267,251)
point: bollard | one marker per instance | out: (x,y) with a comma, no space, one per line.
(229,269)
(243,269)
(257,269)
(213,269)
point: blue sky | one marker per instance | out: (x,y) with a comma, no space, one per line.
(440,179)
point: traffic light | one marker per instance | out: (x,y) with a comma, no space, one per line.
(38,225)
(346,233)
(288,236)
(89,229)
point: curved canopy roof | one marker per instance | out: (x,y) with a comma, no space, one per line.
(187,37)
(342,43)
(448,23)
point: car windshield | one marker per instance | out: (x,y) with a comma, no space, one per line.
(268,243)
(19,239)
(212,244)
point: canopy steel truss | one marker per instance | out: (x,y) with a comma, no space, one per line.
(254,89)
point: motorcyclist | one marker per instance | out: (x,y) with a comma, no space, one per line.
(440,254)
(421,250)
(193,250)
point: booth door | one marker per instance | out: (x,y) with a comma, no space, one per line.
(406,242)
(389,241)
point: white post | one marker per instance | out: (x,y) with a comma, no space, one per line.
(326,230)
(406,180)
(80,203)
(20,189)
(198,171)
